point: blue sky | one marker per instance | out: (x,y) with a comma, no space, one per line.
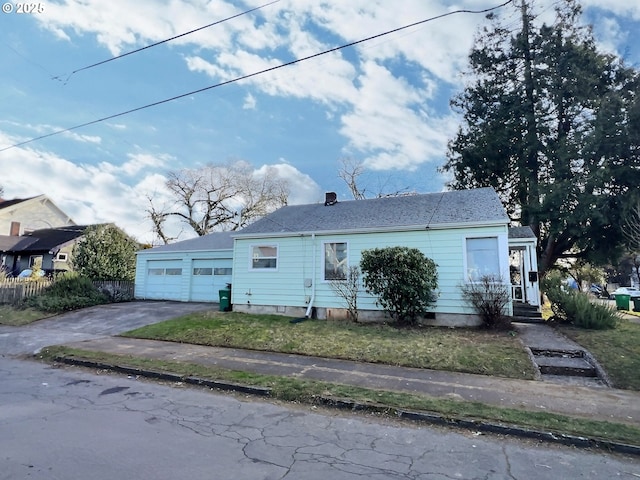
(384,102)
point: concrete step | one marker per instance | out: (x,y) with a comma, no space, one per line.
(567,363)
(526,313)
(527,319)
(575,367)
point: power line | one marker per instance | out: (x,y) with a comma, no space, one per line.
(250,75)
(166,40)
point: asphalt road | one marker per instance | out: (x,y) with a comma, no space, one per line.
(62,423)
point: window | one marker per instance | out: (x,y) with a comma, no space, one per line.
(335,261)
(264,257)
(156,272)
(482,258)
(222,271)
(35,260)
(173,271)
(62,257)
(203,271)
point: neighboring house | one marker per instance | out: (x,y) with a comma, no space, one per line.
(192,270)
(50,247)
(24,215)
(284,262)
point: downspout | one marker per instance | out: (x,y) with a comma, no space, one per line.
(313,278)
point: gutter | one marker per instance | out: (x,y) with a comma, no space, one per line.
(313,278)
(403,228)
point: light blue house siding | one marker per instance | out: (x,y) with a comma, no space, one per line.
(298,278)
(193,270)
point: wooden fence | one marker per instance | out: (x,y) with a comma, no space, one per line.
(117,290)
(14,290)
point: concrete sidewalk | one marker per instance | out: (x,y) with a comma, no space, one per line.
(608,404)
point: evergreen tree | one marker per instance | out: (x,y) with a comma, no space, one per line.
(105,253)
(553,125)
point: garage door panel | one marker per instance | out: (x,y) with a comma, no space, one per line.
(208,277)
(163,280)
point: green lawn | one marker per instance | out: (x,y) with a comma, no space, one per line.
(460,350)
(17,317)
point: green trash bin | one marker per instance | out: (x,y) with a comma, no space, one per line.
(225,299)
(636,304)
(622,301)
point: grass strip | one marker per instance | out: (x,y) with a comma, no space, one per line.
(16,317)
(309,391)
(457,350)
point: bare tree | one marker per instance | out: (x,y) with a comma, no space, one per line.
(348,290)
(158,219)
(351,171)
(218,198)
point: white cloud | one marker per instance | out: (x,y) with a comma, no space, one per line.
(82,138)
(303,188)
(249,102)
(88,194)
(621,8)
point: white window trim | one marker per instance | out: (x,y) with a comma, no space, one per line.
(273,245)
(465,263)
(322,260)
(59,256)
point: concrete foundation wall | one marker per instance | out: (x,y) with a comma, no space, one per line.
(364,316)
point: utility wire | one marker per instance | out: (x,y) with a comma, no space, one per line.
(244,77)
(165,40)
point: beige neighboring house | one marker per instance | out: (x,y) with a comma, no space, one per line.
(22,216)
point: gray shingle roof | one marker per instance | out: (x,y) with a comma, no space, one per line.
(432,209)
(521,232)
(213,241)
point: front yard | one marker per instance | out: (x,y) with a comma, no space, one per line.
(460,350)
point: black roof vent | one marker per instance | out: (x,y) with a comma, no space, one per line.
(330,198)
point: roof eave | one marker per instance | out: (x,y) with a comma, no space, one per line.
(395,228)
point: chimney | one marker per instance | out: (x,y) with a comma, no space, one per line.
(15,229)
(330,198)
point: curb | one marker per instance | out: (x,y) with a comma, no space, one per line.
(482,426)
(170,377)
(347,404)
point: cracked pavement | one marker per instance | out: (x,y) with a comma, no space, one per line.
(66,423)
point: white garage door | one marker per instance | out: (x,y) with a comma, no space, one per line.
(208,277)
(164,279)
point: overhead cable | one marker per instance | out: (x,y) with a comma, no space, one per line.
(250,75)
(165,40)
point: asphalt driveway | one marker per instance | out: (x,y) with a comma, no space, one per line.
(91,323)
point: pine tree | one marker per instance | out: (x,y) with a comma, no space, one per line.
(552,124)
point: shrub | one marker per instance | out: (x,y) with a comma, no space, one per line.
(348,290)
(68,292)
(489,297)
(403,279)
(105,253)
(576,308)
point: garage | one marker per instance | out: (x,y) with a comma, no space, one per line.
(192,270)
(163,280)
(208,276)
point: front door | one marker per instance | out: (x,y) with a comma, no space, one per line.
(517,274)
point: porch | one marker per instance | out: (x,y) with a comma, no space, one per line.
(523,269)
